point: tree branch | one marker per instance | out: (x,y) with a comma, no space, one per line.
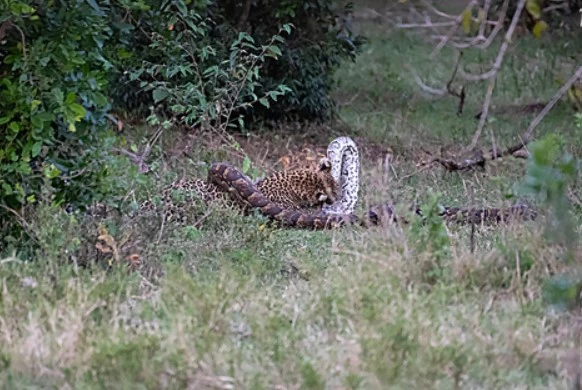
(494,71)
(563,89)
(449,86)
(452,30)
(479,158)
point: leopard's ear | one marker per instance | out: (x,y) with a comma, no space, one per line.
(324,164)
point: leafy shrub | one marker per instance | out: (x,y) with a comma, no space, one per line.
(321,40)
(431,238)
(53,102)
(185,47)
(549,172)
(200,82)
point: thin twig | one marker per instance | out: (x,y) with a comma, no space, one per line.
(424,25)
(461,94)
(449,86)
(456,24)
(563,89)
(426,88)
(495,70)
(22,221)
(483,23)
(5,27)
(497,28)
(480,41)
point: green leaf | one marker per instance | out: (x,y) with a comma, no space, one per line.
(35,151)
(51,171)
(246,165)
(96,7)
(273,51)
(14,126)
(34,104)
(45,116)
(287,28)
(7,189)
(539,28)
(37,123)
(78,110)
(58,94)
(264,102)
(71,98)
(534,9)
(99,99)
(160,94)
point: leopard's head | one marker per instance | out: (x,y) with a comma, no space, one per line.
(326,188)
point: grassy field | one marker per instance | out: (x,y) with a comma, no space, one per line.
(230,305)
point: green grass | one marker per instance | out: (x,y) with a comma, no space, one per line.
(232,305)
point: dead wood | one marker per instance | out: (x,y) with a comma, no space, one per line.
(479,158)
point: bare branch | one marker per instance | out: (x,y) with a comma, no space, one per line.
(497,28)
(456,24)
(555,7)
(425,25)
(449,86)
(484,21)
(426,88)
(5,26)
(448,16)
(140,158)
(479,158)
(563,89)
(517,150)
(494,71)
(480,41)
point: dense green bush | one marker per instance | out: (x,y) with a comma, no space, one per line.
(53,103)
(199,80)
(322,38)
(194,38)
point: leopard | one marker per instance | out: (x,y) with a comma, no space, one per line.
(298,189)
(302,188)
